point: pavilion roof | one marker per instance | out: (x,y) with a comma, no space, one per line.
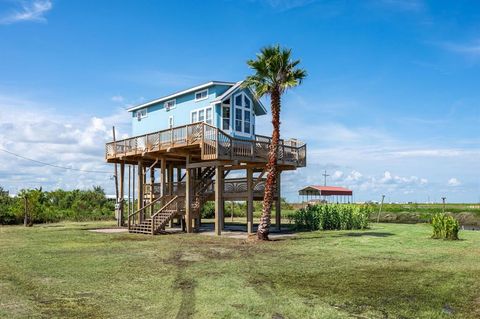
(325,190)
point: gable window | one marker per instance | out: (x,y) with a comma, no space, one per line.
(170,105)
(140,114)
(202,115)
(243,114)
(201,95)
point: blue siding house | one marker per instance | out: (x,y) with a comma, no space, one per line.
(225,105)
(183,148)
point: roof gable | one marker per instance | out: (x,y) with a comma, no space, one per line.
(259,107)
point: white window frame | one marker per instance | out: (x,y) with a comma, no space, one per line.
(174,101)
(203,98)
(171,122)
(229,106)
(243,109)
(143,113)
(204,109)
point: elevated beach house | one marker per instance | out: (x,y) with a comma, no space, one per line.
(184,147)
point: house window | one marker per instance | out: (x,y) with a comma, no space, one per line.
(202,115)
(170,105)
(140,114)
(201,95)
(226,117)
(170,122)
(243,114)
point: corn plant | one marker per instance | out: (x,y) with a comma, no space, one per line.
(445,227)
(332,217)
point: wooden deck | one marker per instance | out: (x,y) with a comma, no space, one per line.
(203,142)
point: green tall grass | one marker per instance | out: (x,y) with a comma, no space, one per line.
(445,227)
(332,217)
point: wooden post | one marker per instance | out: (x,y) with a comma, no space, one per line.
(25,211)
(140,190)
(121,200)
(129,188)
(170,186)
(278,204)
(170,178)
(115,176)
(188,198)
(219,200)
(250,201)
(152,184)
(163,171)
(133,193)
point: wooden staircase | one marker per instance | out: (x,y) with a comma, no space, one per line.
(174,206)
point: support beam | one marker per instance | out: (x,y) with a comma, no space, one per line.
(163,172)
(250,201)
(152,183)
(140,189)
(278,203)
(170,178)
(121,199)
(219,204)
(188,198)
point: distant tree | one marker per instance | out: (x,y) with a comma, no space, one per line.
(274,73)
(7,216)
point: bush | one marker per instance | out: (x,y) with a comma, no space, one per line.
(332,217)
(445,227)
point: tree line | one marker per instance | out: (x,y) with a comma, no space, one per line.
(39,206)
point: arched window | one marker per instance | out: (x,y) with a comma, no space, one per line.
(243,114)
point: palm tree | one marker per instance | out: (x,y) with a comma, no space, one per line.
(274,73)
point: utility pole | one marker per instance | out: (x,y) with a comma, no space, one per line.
(380,209)
(325,178)
(25,210)
(443,200)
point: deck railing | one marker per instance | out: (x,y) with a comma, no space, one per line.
(231,185)
(214,144)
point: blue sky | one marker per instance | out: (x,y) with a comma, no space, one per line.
(391,104)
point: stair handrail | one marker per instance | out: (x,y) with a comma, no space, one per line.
(160,210)
(141,209)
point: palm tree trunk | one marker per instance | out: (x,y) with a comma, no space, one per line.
(265,220)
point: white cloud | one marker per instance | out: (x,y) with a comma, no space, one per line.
(453,182)
(35,131)
(471,49)
(117,98)
(34,10)
(403,5)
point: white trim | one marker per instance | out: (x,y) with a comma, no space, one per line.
(142,116)
(243,109)
(222,105)
(174,95)
(204,109)
(170,108)
(228,93)
(199,92)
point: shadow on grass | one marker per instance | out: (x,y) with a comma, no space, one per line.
(365,234)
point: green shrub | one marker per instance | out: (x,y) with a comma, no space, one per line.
(332,217)
(445,227)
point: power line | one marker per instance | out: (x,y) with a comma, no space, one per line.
(53,165)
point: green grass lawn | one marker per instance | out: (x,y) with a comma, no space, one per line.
(389,271)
